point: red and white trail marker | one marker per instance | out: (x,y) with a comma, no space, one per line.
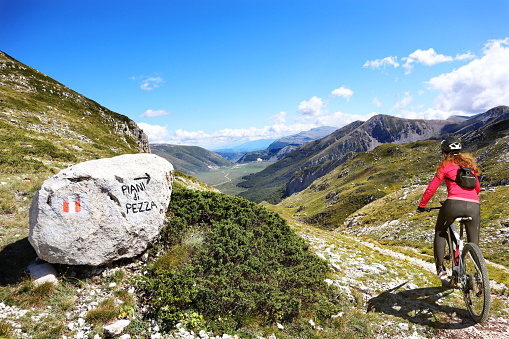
(72,204)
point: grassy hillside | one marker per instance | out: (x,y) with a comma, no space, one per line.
(190,159)
(45,127)
(363,179)
(375,194)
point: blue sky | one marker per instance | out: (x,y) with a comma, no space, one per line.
(215,73)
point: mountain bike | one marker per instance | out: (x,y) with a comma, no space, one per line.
(468,271)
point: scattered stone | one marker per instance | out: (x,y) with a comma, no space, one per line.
(336,267)
(403,327)
(116,328)
(339,315)
(42,273)
(99,211)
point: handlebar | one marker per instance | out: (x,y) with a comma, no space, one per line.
(429,209)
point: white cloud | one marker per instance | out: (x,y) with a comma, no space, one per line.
(340,119)
(376,102)
(383,63)
(342,92)
(429,114)
(311,108)
(151,113)
(161,134)
(428,57)
(150,83)
(403,103)
(278,119)
(465,56)
(478,86)
(155,133)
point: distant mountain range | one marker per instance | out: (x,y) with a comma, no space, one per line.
(280,148)
(246,147)
(301,167)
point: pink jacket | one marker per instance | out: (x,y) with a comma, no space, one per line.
(455,192)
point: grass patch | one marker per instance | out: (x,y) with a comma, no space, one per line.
(106,311)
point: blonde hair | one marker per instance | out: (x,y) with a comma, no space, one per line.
(462,159)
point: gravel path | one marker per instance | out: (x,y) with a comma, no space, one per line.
(418,306)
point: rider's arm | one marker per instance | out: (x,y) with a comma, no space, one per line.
(478,187)
(432,188)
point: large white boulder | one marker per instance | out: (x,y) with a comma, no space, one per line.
(102,210)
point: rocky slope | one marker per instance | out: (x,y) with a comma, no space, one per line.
(34,106)
(314,160)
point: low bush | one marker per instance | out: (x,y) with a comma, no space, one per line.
(248,266)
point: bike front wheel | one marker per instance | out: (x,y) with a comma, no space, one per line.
(476,287)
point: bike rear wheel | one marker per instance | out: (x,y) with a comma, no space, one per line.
(476,289)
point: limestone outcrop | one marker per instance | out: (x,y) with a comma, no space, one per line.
(99,211)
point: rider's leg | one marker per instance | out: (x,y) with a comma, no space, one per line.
(473,210)
(445,218)
(451,210)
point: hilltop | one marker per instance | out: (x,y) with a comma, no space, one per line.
(190,159)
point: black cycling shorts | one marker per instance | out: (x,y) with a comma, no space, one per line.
(453,209)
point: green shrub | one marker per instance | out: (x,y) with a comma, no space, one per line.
(248,264)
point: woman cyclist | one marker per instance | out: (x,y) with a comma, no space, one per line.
(461,202)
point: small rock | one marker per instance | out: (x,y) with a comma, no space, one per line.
(403,327)
(42,273)
(336,267)
(339,315)
(281,327)
(116,328)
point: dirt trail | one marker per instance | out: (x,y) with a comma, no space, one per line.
(493,328)
(401,288)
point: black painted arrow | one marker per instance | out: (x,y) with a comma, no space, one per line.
(147,176)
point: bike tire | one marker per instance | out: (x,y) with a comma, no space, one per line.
(476,292)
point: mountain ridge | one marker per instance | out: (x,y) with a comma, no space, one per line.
(313,160)
(190,159)
(281,147)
